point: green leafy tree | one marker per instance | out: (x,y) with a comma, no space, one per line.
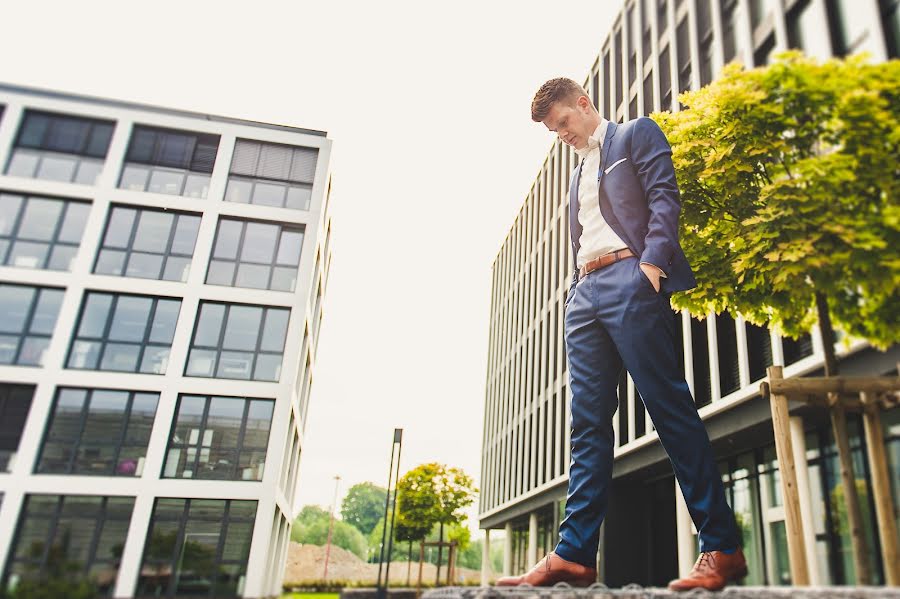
(435,494)
(311,527)
(363,506)
(789,177)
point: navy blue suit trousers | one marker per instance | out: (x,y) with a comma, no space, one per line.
(614,318)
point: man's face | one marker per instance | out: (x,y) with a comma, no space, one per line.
(572,122)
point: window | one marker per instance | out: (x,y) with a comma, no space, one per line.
(222,438)
(271,174)
(124,333)
(29,315)
(796,349)
(648,93)
(729,29)
(700,347)
(619,75)
(150,244)
(665,80)
(726,347)
(38,232)
(759,350)
(197,547)
(634,34)
(647,39)
(255,254)
(98,431)
(890,19)
(684,56)
(607,109)
(237,341)
(60,147)
(76,536)
(15,401)
(169,161)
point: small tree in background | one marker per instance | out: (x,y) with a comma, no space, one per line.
(363,505)
(789,177)
(432,494)
(311,527)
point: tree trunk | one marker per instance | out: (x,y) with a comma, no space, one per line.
(409,564)
(839,430)
(827,332)
(437,579)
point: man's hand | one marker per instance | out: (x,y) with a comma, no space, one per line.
(653,273)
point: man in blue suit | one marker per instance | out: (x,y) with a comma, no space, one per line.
(623,216)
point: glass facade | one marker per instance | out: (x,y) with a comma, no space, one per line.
(105,323)
(69,538)
(255,254)
(15,402)
(237,341)
(60,147)
(147,243)
(98,431)
(222,438)
(28,322)
(197,548)
(125,333)
(37,232)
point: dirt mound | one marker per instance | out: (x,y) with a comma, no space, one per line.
(306,563)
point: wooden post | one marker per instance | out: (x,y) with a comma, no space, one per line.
(851,497)
(881,488)
(785,452)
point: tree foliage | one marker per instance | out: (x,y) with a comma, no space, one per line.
(433,493)
(311,527)
(363,506)
(789,176)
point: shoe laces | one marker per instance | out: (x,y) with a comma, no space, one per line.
(705,562)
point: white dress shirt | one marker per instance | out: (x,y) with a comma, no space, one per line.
(597,237)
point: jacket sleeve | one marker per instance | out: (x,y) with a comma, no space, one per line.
(652,158)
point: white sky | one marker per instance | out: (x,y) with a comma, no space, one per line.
(434,152)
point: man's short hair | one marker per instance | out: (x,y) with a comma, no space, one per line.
(555,90)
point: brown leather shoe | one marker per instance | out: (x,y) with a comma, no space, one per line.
(712,571)
(549,571)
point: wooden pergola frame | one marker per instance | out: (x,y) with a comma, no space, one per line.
(838,394)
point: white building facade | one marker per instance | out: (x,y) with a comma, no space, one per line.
(654,50)
(162,276)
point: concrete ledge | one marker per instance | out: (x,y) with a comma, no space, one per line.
(599,591)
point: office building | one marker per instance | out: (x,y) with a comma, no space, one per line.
(654,50)
(162,275)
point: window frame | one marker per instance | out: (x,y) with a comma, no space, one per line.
(272,265)
(238,449)
(132,237)
(219,347)
(104,340)
(26,332)
(76,442)
(53,242)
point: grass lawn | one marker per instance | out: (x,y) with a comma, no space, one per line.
(310,596)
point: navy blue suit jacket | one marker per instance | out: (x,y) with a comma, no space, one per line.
(639,199)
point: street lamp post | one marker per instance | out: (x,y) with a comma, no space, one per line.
(337,480)
(396,445)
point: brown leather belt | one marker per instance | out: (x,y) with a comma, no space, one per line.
(604,260)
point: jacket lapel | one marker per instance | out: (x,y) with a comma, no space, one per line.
(610,131)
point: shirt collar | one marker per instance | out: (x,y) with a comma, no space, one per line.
(595,140)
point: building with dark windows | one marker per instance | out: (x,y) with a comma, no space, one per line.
(655,50)
(161,284)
